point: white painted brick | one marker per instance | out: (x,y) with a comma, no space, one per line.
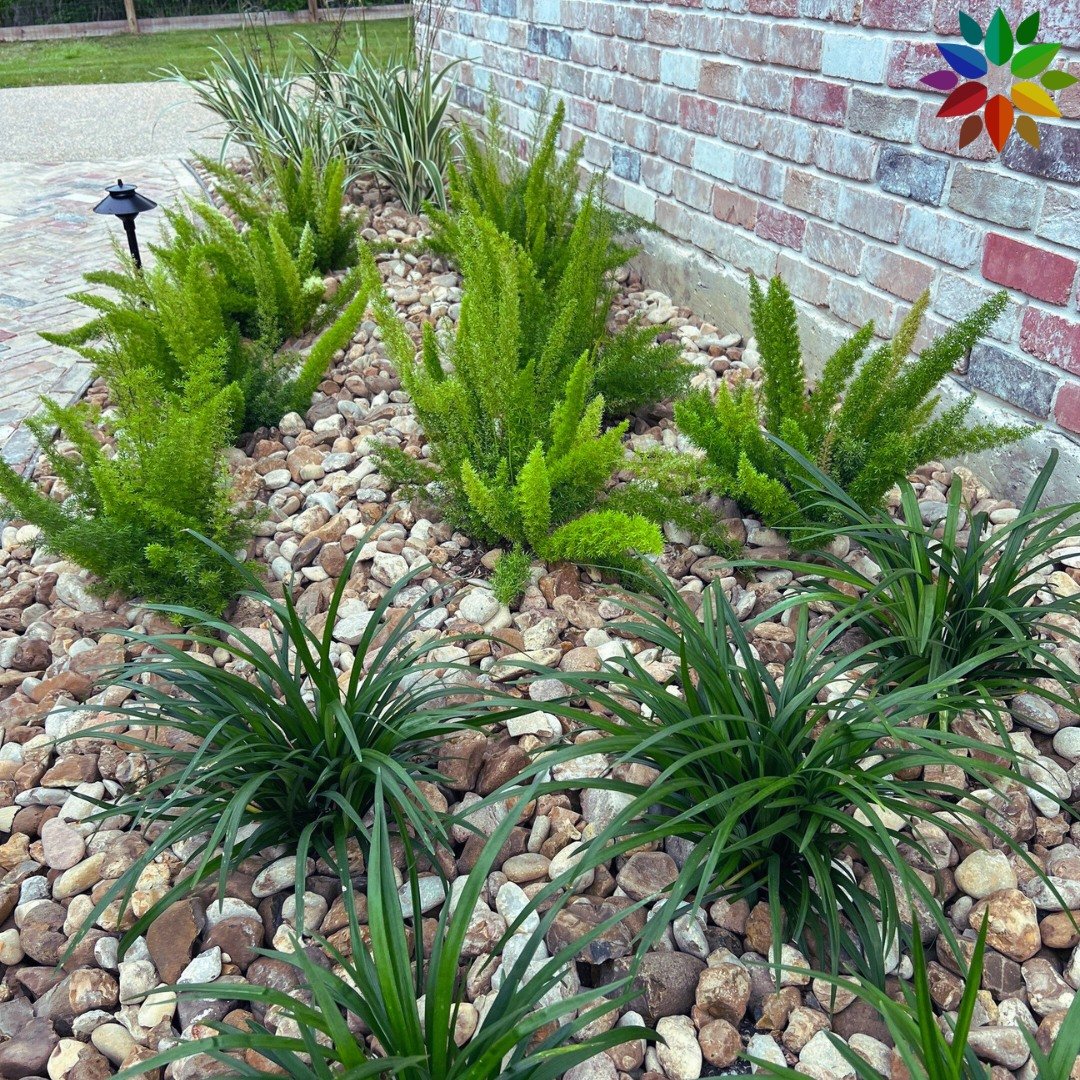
(638,201)
(714,158)
(680,69)
(861,57)
(547,11)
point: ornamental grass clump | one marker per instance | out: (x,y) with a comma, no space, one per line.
(128,511)
(268,115)
(518,442)
(804,792)
(960,601)
(865,429)
(930,1048)
(392,119)
(572,240)
(280,745)
(385,1008)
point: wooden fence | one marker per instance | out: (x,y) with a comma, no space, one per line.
(134,25)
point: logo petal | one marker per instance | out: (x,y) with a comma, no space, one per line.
(941,80)
(970,29)
(970,130)
(1029,98)
(1057,80)
(1028,131)
(966,98)
(1035,58)
(965,61)
(999,120)
(999,39)
(1027,31)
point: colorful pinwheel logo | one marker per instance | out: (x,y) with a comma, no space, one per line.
(1015,98)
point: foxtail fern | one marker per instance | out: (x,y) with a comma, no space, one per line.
(240,294)
(865,429)
(295,196)
(573,245)
(522,456)
(129,516)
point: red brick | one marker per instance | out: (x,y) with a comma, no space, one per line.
(734,208)
(835,248)
(1035,271)
(786,9)
(805,281)
(1051,338)
(812,193)
(663,28)
(909,61)
(1068,100)
(896,14)
(946,17)
(1059,23)
(697,115)
(583,114)
(765,89)
(781,226)
(794,46)
(745,38)
(1067,409)
(822,102)
(896,274)
(938,134)
(718,80)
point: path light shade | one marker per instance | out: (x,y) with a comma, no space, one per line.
(124,202)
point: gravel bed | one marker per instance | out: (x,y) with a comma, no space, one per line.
(703,988)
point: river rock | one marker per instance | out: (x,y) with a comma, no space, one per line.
(1013,927)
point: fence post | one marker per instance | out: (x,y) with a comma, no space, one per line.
(132,17)
(313,8)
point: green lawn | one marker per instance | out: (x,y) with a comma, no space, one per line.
(135,57)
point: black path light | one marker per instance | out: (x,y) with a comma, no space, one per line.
(124,202)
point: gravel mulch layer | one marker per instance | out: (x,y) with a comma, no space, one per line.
(703,988)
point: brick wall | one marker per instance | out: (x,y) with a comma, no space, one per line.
(794,137)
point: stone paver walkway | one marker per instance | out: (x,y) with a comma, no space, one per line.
(59,148)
